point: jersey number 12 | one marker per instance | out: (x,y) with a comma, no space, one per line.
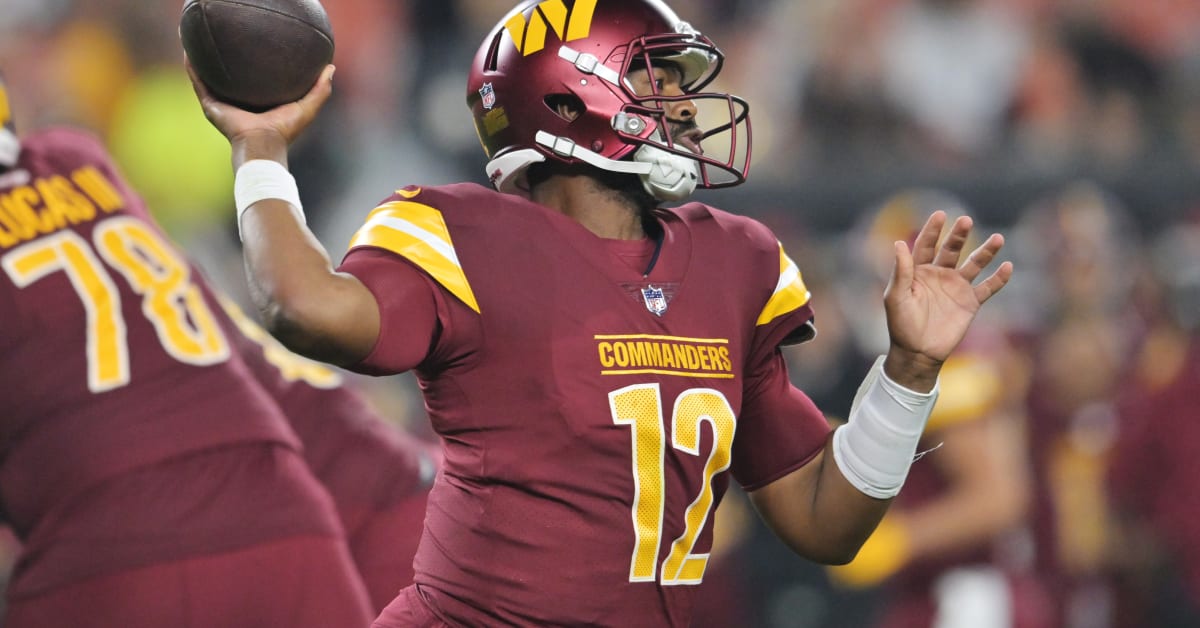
(640,407)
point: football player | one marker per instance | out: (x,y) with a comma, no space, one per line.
(586,353)
(149,479)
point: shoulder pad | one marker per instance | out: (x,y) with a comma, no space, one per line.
(409,225)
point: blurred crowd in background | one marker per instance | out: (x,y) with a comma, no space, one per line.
(1071,126)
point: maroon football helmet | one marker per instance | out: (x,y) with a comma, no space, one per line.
(545,52)
(10,148)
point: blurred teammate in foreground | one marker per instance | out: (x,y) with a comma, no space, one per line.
(150,479)
(164,486)
(586,354)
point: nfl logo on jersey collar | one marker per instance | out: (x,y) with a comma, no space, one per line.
(655,300)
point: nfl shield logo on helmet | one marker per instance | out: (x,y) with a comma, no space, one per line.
(655,300)
(488,93)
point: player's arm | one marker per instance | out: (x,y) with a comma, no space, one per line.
(312,309)
(817,513)
(827,508)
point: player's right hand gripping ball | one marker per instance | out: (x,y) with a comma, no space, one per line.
(257,54)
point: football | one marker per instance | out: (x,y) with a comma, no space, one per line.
(257,54)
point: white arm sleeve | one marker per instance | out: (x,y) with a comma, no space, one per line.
(875,448)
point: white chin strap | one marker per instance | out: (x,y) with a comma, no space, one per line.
(665,175)
(10,148)
(672,177)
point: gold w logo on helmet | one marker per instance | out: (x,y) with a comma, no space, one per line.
(569,24)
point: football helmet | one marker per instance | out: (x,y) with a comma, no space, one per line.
(547,52)
(10,147)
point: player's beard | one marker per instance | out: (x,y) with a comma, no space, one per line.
(626,189)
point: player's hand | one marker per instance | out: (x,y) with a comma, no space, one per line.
(268,134)
(931,299)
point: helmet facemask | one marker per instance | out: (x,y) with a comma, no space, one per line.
(710,149)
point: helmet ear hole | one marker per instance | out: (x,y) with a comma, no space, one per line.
(566,106)
(492,62)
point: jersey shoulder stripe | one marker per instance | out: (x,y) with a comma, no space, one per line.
(790,292)
(418,233)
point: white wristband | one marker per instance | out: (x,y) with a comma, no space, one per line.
(260,179)
(875,448)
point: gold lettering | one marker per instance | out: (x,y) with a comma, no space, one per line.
(637,354)
(8,221)
(18,206)
(685,356)
(693,355)
(668,357)
(606,359)
(82,209)
(7,238)
(102,192)
(714,358)
(55,212)
(53,203)
(621,353)
(681,357)
(726,363)
(654,353)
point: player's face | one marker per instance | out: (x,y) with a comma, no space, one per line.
(666,80)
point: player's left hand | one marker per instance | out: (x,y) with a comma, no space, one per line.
(931,299)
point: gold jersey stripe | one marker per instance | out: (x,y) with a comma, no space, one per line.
(418,233)
(790,291)
(719,341)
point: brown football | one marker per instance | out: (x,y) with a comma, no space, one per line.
(257,54)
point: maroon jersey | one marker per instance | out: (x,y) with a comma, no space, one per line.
(377,474)
(115,366)
(591,395)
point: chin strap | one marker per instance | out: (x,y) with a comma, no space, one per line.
(672,177)
(665,175)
